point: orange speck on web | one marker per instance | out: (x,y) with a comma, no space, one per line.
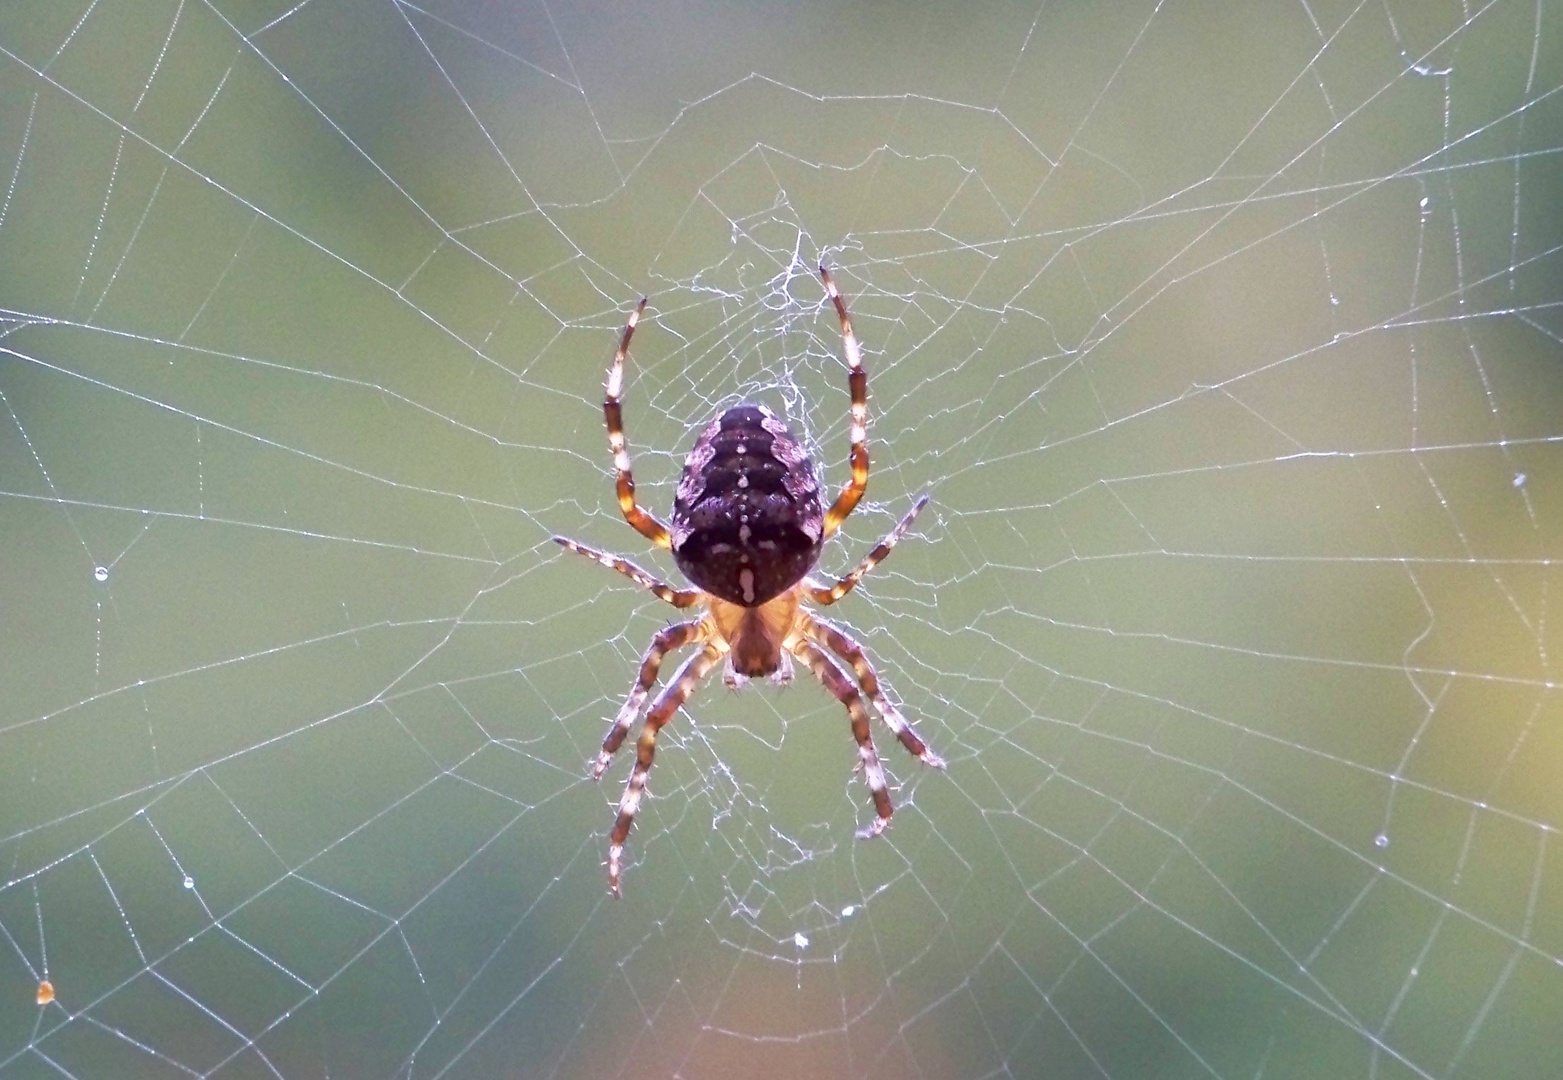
(45,992)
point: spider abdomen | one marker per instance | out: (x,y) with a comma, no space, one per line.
(747,521)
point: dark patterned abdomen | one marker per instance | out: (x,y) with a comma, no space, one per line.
(747,517)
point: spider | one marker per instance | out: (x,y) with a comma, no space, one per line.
(748,526)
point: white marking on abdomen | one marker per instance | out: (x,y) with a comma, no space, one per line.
(746,581)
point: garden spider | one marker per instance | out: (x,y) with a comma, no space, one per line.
(748,526)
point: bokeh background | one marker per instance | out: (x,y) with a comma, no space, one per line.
(1227,340)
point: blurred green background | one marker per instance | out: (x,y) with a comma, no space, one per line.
(1226,339)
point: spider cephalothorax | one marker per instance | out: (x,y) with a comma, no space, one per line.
(748,526)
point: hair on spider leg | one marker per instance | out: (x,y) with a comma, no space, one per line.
(748,525)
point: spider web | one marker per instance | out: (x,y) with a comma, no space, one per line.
(1226,339)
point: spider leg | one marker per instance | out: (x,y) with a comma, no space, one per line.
(829,594)
(673,695)
(841,643)
(857,380)
(668,638)
(644,522)
(679,598)
(837,682)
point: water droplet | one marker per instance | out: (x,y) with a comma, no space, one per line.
(1519,479)
(101,573)
(1381,841)
(189,882)
(848,911)
(800,940)
(1425,201)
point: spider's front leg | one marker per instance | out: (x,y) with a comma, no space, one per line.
(673,695)
(668,638)
(841,643)
(837,682)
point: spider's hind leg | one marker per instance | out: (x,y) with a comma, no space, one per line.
(857,381)
(645,522)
